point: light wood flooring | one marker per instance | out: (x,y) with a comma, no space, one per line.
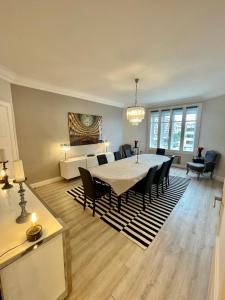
(108,266)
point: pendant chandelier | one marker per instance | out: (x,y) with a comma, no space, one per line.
(135,114)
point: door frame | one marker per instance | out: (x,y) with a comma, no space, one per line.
(12,128)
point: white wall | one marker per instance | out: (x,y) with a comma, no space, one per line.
(5,91)
(212,133)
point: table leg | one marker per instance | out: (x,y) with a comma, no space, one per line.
(119,203)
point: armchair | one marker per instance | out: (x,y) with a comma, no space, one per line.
(204,165)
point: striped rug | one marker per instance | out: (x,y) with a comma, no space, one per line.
(132,221)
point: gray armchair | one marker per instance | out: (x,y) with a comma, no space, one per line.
(204,165)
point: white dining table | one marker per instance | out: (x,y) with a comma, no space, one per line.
(122,174)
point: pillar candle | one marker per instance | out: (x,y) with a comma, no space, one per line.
(18,170)
(2,155)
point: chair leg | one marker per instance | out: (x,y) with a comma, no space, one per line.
(157,191)
(119,203)
(198,178)
(127,196)
(85,200)
(110,198)
(93,208)
(168,180)
(187,171)
(143,201)
(211,175)
(162,188)
(150,196)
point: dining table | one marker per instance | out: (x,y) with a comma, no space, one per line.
(122,174)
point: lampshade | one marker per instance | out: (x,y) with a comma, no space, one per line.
(135,114)
(65,147)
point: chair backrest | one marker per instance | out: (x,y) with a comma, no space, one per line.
(211,156)
(88,183)
(127,153)
(125,147)
(117,155)
(160,151)
(163,170)
(149,179)
(169,165)
(102,159)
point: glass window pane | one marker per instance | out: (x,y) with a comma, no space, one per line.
(190,129)
(164,130)
(154,129)
(177,115)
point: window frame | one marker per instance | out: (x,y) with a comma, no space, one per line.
(184,107)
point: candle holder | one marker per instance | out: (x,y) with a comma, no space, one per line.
(34,233)
(24,216)
(137,154)
(5,179)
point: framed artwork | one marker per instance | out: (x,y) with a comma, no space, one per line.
(84,129)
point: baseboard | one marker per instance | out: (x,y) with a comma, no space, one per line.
(179,166)
(45,182)
(219,178)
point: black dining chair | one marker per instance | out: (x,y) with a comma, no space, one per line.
(167,176)
(144,186)
(126,147)
(127,153)
(160,151)
(160,175)
(102,159)
(92,189)
(117,155)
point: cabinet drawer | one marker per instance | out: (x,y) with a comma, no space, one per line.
(70,170)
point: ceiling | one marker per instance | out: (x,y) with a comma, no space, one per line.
(94,49)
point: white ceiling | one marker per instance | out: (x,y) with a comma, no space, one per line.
(94,49)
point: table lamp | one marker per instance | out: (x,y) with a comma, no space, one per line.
(106,145)
(65,148)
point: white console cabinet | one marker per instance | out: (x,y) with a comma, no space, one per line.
(69,167)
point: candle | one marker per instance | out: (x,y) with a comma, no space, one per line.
(2,155)
(3,173)
(18,170)
(33,219)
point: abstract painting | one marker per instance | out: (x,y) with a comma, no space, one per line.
(84,129)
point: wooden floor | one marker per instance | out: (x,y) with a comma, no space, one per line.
(107,265)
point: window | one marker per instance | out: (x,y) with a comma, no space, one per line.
(174,128)
(190,129)
(164,129)
(154,125)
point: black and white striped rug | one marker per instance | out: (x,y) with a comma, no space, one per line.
(132,221)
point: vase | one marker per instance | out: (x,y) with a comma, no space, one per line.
(199,153)
(135,144)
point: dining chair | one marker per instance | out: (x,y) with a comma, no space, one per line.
(160,151)
(117,155)
(102,159)
(92,189)
(126,147)
(144,186)
(167,176)
(127,153)
(160,175)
